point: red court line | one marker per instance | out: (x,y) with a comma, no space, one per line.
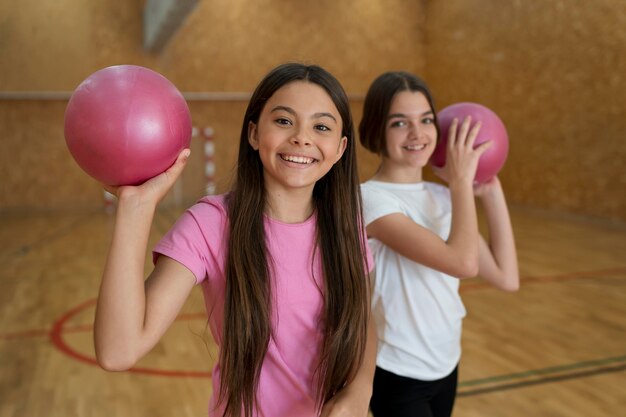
(465,287)
(56,337)
(80,328)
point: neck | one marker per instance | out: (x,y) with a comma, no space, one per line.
(294,206)
(398,174)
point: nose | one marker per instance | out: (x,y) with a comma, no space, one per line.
(414,130)
(300,137)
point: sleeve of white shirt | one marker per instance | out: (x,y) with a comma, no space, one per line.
(378,203)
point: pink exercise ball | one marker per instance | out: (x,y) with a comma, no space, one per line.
(126,124)
(492,129)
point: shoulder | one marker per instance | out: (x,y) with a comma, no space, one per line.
(210,203)
(209,207)
(196,240)
(439,196)
(378,202)
(436,189)
(374,190)
(206,216)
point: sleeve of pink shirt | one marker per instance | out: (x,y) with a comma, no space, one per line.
(197,239)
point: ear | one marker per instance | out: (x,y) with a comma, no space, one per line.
(343,144)
(252,136)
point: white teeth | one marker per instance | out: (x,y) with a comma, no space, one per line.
(415,147)
(297,159)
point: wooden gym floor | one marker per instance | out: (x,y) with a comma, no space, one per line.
(555,348)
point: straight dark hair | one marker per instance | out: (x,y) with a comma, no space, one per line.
(378,101)
(247,308)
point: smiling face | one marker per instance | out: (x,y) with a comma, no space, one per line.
(410,132)
(298,137)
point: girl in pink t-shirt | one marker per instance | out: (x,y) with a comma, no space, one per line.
(281,258)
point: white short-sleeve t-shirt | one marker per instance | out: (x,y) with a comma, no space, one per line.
(418,310)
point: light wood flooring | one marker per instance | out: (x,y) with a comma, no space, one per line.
(555,348)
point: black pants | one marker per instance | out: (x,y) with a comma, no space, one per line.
(399,396)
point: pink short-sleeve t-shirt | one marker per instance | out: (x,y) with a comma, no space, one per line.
(198,240)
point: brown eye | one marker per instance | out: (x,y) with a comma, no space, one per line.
(322,128)
(283,121)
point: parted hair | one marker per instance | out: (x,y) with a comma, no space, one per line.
(378,102)
(247,308)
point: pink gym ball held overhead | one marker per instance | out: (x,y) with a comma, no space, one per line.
(492,129)
(126,124)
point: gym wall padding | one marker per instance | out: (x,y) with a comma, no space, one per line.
(552,70)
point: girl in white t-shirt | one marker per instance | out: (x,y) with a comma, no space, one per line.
(424,238)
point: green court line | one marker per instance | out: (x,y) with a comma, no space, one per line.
(544,380)
(543,371)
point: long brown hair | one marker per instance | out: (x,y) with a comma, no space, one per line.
(336,200)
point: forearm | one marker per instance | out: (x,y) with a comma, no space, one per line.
(354,398)
(365,374)
(464,235)
(120,311)
(501,240)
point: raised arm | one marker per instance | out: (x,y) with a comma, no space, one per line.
(458,255)
(132,314)
(498,256)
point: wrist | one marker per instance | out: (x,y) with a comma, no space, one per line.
(461,184)
(361,384)
(130,201)
(492,193)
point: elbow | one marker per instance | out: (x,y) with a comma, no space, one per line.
(509,283)
(115,362)
(468,269)
(511,286)
(115,352)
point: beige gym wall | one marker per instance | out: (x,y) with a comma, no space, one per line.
(555,72)
(552,69)
(225,46)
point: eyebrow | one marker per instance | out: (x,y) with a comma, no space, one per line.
(402,115)
(315,116)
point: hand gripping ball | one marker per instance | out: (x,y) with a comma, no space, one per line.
(492,129)
(126,124)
